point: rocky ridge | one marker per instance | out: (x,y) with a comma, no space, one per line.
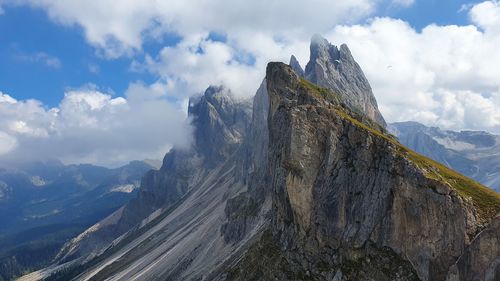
(472,153)
(346,195)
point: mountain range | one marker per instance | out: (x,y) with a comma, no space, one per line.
(45,203)
(304,182)
(472,153)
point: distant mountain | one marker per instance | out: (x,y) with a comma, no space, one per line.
(305,183)
(475,154)
(43,204)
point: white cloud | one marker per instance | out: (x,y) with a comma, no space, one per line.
(430,76)
(195,63)
(487,15)
(120,29)
(41,57)
(403,3)
(7,143)
(443,75)
(4,98)
(93,127)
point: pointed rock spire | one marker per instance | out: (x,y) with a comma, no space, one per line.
(335,68)
(294,63)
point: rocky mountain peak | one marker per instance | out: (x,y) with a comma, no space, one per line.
(341,184)
(294,63)
(220,122)
(334,68)
(321,49)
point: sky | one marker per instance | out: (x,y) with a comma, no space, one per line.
(105,83)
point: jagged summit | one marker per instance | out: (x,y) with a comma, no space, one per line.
(382,211)
(294,63)
(320,48)
(220,122)
(334,68)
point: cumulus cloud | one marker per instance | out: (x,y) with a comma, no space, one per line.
(93,127)
(121,29)
(444,75)
(196,62)
(487,15)
(439,76)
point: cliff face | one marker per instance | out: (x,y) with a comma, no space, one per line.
(349,202)
(481,260)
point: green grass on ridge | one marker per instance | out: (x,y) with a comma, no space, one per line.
(486,200)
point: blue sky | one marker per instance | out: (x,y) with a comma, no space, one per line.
(423,13)
(27,31)
(93,82)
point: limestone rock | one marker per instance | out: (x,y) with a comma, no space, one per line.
(481,260)
(334,68)
(295,65)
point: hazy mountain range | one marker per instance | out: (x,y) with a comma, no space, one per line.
(475,154)
(43,204)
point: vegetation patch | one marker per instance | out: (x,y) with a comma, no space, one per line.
(319,92)
(486,201)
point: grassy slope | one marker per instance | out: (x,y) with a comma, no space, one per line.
(486,201)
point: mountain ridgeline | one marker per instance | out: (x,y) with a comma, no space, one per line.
(303,183)
(45,203)
(472,153)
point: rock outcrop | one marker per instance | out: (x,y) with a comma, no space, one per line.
(481,260)
(347,196)
(295,65)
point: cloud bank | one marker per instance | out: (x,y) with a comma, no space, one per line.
(92,127)
(444,75)
(441,75)
(121,29)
